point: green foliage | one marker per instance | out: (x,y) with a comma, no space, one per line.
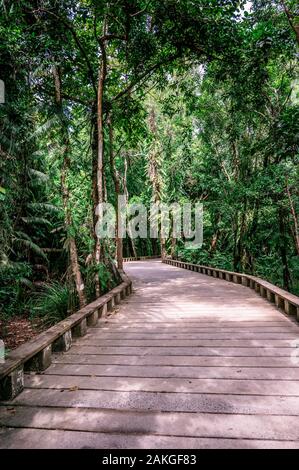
(104,275)
(54,303)
(14,287)
(221,87)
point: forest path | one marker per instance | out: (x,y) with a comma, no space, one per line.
(187,361)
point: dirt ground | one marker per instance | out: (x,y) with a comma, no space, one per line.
(17,331)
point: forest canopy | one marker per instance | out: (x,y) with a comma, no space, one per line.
(173,101)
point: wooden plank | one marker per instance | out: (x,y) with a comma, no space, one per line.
(180,351)
(174,385)
(155,423)
(164,322)
(159,335)
(210,335)
(55,439)
(238,343)
(178,371)
(203,326)
(166,402)
(186,361)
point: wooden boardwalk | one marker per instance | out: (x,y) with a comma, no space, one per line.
(188,361)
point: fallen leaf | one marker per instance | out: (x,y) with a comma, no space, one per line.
(11,410)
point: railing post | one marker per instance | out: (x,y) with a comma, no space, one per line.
(263,291)
(270,296)
(279,302)
(92,319)
(102,311)
(12,384)
(40,361)
(80,329)
(63,343)
(110,304)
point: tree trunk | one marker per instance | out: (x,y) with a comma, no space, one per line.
(133,247)
(295,219)
(163,247)
(173,247)
(116,180)
(154,175)
(73,253)
(215,236)
(283,249)
(100,148)
(94,149)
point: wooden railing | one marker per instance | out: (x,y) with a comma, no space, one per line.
(285,301)
(141,258)
(35,355)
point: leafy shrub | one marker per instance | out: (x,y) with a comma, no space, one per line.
(14,284)
(105,277)
(54,303)
(269,267)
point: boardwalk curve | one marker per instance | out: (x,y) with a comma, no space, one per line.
(188,361)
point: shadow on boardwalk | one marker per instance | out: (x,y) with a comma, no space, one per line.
(188,361)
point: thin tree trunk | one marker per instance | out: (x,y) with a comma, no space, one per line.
(100,148)
(75,267)
(283,249)
(173,247)
(94,149)
(294,217)
(215,237)
(163,247)
(236,158)
(155,177)
(126,192)
(235,231)
(116,180)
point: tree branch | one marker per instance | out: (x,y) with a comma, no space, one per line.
(77,41)
(141,77)
(290,20)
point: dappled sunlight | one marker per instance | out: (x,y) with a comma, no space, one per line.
(187,358)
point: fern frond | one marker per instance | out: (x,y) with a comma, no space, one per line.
(24,235)
(43,206)
(39,175)
(26,282)
(36,220)
(29,244)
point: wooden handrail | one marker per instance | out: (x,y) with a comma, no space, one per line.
(285,301)
(141,258)
(36,353)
